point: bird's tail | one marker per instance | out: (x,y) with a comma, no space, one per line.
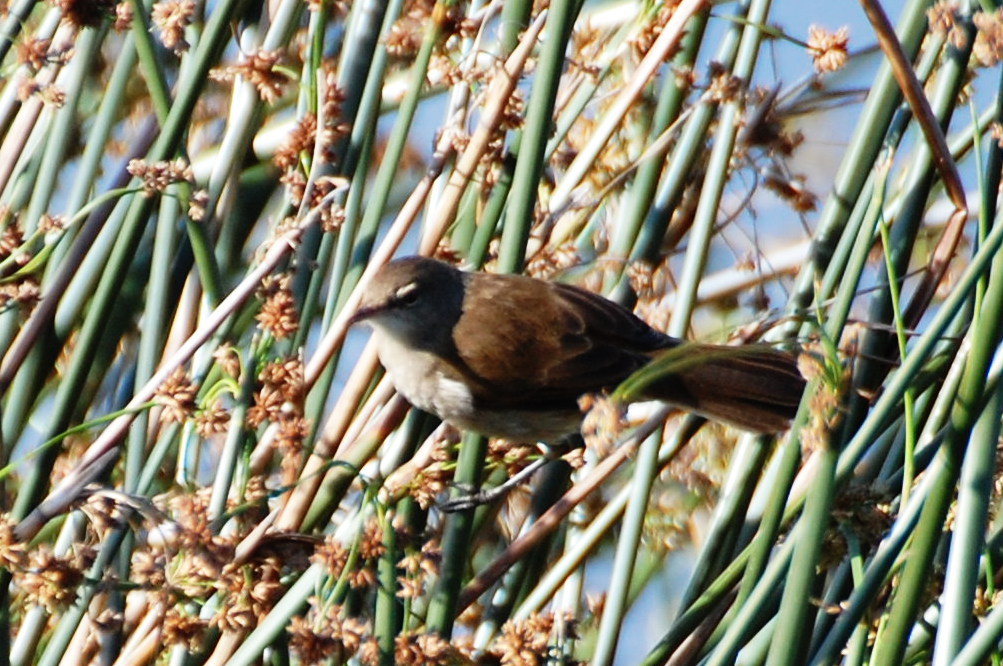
(753,387)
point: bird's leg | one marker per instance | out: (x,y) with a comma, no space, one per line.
(492,494)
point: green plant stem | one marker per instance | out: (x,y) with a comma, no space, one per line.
(456,539)
(882,101)
(611,625)
(718,169)
(389,614)
(876,346)
(744,470)
(790,639)
(156,316)
(975,489)
(112,280)
(149,63)
(975,492)
(670,104)
(525,182)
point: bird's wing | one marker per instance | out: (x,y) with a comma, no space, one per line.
(612,323)
(578,343)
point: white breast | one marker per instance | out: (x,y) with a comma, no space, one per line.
(417,375)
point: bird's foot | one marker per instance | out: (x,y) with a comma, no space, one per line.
(472,500)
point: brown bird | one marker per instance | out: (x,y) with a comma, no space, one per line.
(509,356)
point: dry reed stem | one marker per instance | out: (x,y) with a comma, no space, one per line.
(666,43)
(552,518)
(104,448)
(499,92)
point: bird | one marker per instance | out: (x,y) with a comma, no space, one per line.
(509,356)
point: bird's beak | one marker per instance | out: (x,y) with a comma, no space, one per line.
(364,313)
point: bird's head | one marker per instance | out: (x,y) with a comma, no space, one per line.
(413,299)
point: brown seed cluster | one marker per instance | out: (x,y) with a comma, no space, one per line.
(828,49)
(418,568)
(197,205)
(826,402)
(279,401)
(332,214)
(13,554)
(988,47)
(49,223)
(327,629)
(11,240)
(298,144)
(184,628)
(645,39)
(178,396)
(50,93)
(194,556)
(414,649)
(326,634)
(510,456)
(587,43)
(419,16)
(260,69)
(528,642)
(278,309)
(334,128)
(306,143)
(228,359)
(406,34)
(281,391)
(513,114)
(40,577)
(723,86)
(185,559)
(338,8)
(332,555)
(169,19)
(942,17)
(212,419)
(996,133)
(433,480)
(123,16)
(158,176)
(251,591)
(946,22)
(38,52)
(866,512)
(604,422)
(443,71)
(23,292)
(369,549)
(51,581)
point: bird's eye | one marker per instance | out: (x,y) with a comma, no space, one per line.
(407,295)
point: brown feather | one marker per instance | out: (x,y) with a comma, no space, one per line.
(510,355)
(579,343)
(756,387)
(582,343)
